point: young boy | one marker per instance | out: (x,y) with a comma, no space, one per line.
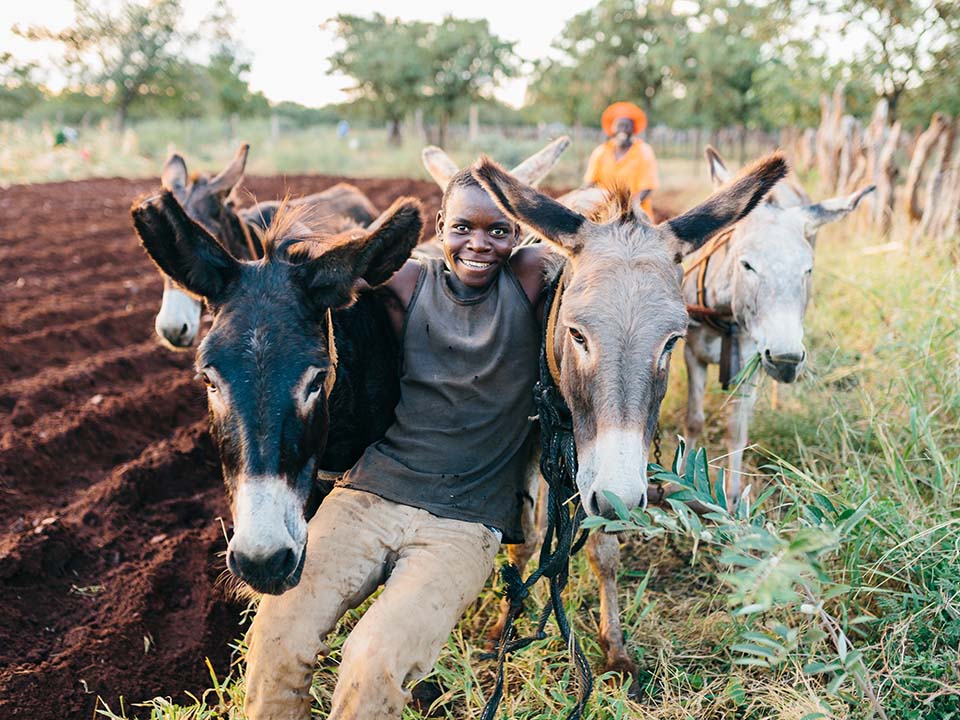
(424,510)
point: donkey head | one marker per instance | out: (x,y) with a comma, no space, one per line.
(269,361)
(205,200)
(770,268)
(620,316)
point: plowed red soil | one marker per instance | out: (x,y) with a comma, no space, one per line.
(110,491)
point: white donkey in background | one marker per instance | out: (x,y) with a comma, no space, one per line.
(756,281)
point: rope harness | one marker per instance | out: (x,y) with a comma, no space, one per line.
(721,321)
(558,465)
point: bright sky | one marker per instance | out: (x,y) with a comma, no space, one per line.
(289,48)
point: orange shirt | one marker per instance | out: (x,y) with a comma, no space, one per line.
(637,169)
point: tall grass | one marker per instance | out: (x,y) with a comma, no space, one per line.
(836,595)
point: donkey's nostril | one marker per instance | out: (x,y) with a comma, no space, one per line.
(280,564)
(183,329)
(592,504)
(263,572)
(768,354)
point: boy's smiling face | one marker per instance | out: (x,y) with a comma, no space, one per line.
(477,237)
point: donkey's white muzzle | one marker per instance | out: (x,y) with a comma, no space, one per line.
(178,322)
(270,536)
(616,463)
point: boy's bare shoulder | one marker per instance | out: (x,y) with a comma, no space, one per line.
(404,281)
(528,264)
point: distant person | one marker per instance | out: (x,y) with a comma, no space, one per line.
(625,159)
(343,127)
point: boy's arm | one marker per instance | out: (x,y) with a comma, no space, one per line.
(401,287)
(529,264)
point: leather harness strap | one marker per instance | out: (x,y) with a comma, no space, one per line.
(722,322)
(552,363)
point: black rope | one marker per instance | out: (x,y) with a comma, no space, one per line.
(558,464)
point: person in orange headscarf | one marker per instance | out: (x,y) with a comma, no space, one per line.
(624,159)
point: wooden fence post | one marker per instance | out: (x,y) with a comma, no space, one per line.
(886,177)
(828,138)
(929,223)
(918,161)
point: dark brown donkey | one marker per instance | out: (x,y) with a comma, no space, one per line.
(611,332)
(300,367)
(212,203)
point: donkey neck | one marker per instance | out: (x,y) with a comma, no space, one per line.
(718,276)
(367,389)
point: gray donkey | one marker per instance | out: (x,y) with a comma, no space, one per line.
(614,327)
(748,291)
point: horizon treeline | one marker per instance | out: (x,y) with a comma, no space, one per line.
(689,63)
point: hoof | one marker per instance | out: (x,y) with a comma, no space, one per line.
(627,669)
(424,694)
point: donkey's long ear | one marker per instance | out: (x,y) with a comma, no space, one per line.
(532,170)
(232,173)
(727,205)
(393,237)
(174,175)
(833,209)
(542,214)
(182,249)
(718,170)
(329,280)
(439,165)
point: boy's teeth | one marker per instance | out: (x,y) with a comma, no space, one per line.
(474,264)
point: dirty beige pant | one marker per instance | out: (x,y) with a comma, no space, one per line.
(432,569)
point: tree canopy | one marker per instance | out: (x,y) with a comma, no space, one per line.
(402,66)
(689,63)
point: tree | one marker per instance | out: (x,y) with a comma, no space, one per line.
(19,90)
(228,66)
(629,50)
(898,40)
(564,92)
(387,61)
(464,62)
(131,53)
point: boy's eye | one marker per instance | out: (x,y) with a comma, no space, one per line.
(498,232)
(460,228)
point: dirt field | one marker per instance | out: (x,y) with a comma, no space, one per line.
(110,490)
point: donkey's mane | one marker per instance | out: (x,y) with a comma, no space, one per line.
(616,205)
(301,232)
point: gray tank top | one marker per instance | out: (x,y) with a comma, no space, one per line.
(460,442)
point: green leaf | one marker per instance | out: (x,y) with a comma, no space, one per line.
(619,506)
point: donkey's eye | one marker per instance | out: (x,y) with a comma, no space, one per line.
(316,385)
(578,337)
(747,266)
(670,344)
(208,381)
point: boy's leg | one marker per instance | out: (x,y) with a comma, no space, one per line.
(347,553)
(442,568)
